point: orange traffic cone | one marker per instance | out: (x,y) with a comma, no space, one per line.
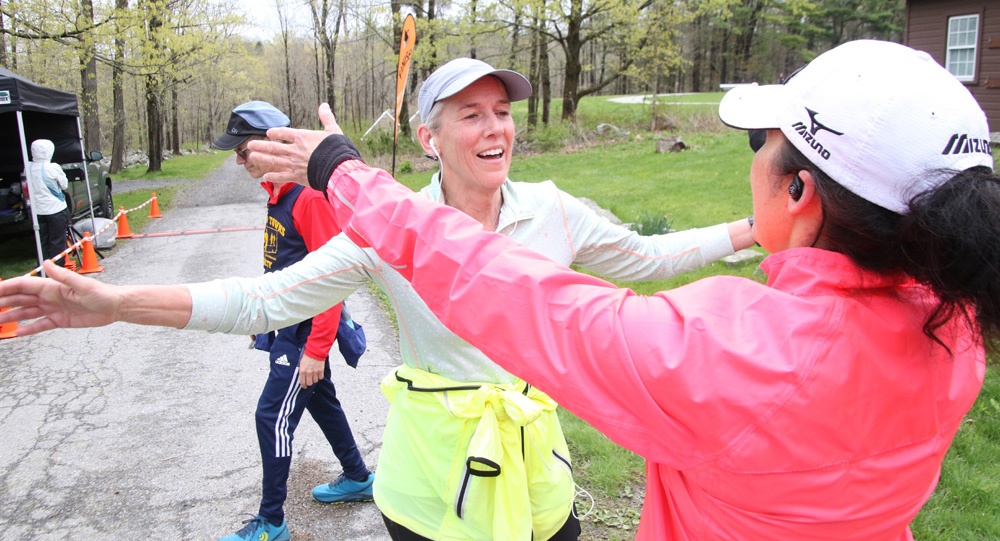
(68,262)
(89,264)
(123,231)
(8,330)
(154,209)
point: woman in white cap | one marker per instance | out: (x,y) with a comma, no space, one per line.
(469,450)
(817,406)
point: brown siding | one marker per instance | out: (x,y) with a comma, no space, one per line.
(927,30)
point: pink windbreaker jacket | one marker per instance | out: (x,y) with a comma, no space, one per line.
(810,408)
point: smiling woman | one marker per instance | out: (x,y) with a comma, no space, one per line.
(466,124)
(473,139)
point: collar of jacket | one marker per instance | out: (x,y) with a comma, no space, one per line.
(512,208)
(813,269)
(275,191)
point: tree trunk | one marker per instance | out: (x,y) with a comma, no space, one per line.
(533,72)
(570,86)
(154,118)
(724,54)
(319,74)
(472,25)
(321,15)
(573,45)
(514,39)
(697,55)
(118,97)
(88,80)
(154,125)
(331,71)
(745,42)
(283,23)
(175,142)
(432,63)
(13,48)
(546,83)
(3,44)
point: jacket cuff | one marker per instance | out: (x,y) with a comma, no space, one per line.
(330,153)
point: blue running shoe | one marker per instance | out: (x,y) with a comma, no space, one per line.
(259,529)
(345,490)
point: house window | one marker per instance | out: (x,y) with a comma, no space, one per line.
(963,36)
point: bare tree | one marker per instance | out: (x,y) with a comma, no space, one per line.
(3,44)
(289,79)
(87,51)
(324,16)
(118,94)
(154,115)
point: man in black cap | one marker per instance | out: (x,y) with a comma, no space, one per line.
(299,220)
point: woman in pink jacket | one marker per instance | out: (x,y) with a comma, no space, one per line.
(817,406)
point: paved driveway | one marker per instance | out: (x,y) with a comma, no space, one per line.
(130,432)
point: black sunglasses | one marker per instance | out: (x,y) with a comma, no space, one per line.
(759,137)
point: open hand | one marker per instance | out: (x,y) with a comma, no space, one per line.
(65,299)
(290,162)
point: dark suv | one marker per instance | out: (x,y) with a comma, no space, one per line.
(15,215)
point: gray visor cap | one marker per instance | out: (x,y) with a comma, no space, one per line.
(456,75)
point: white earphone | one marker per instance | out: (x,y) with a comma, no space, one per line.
(435,149)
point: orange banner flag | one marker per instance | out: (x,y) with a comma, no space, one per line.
(406,42)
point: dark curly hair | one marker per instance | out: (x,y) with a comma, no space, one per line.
(949,240)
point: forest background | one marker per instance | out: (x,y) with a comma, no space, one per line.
(161,75)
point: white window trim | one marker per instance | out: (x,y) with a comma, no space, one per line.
(975,48)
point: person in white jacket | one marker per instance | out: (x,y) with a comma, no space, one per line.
(46,183)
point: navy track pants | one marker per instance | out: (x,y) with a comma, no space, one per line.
(279,410)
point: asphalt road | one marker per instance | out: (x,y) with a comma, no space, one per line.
(131,432)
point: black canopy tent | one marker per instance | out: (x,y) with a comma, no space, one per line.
(29,111)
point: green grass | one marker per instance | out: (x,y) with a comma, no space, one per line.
(193,166)
(19,255)
(137,220)
(966,503)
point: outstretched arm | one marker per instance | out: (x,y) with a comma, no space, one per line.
(69,300)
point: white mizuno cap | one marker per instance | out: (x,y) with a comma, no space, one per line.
(885,121)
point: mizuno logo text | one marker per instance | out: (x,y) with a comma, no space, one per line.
(962,143)
(809,133)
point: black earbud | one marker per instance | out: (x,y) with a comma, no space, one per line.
(796,187)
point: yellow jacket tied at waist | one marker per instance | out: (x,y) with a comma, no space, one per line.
(494,453)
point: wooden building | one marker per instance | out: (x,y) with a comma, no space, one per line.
(964,37)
